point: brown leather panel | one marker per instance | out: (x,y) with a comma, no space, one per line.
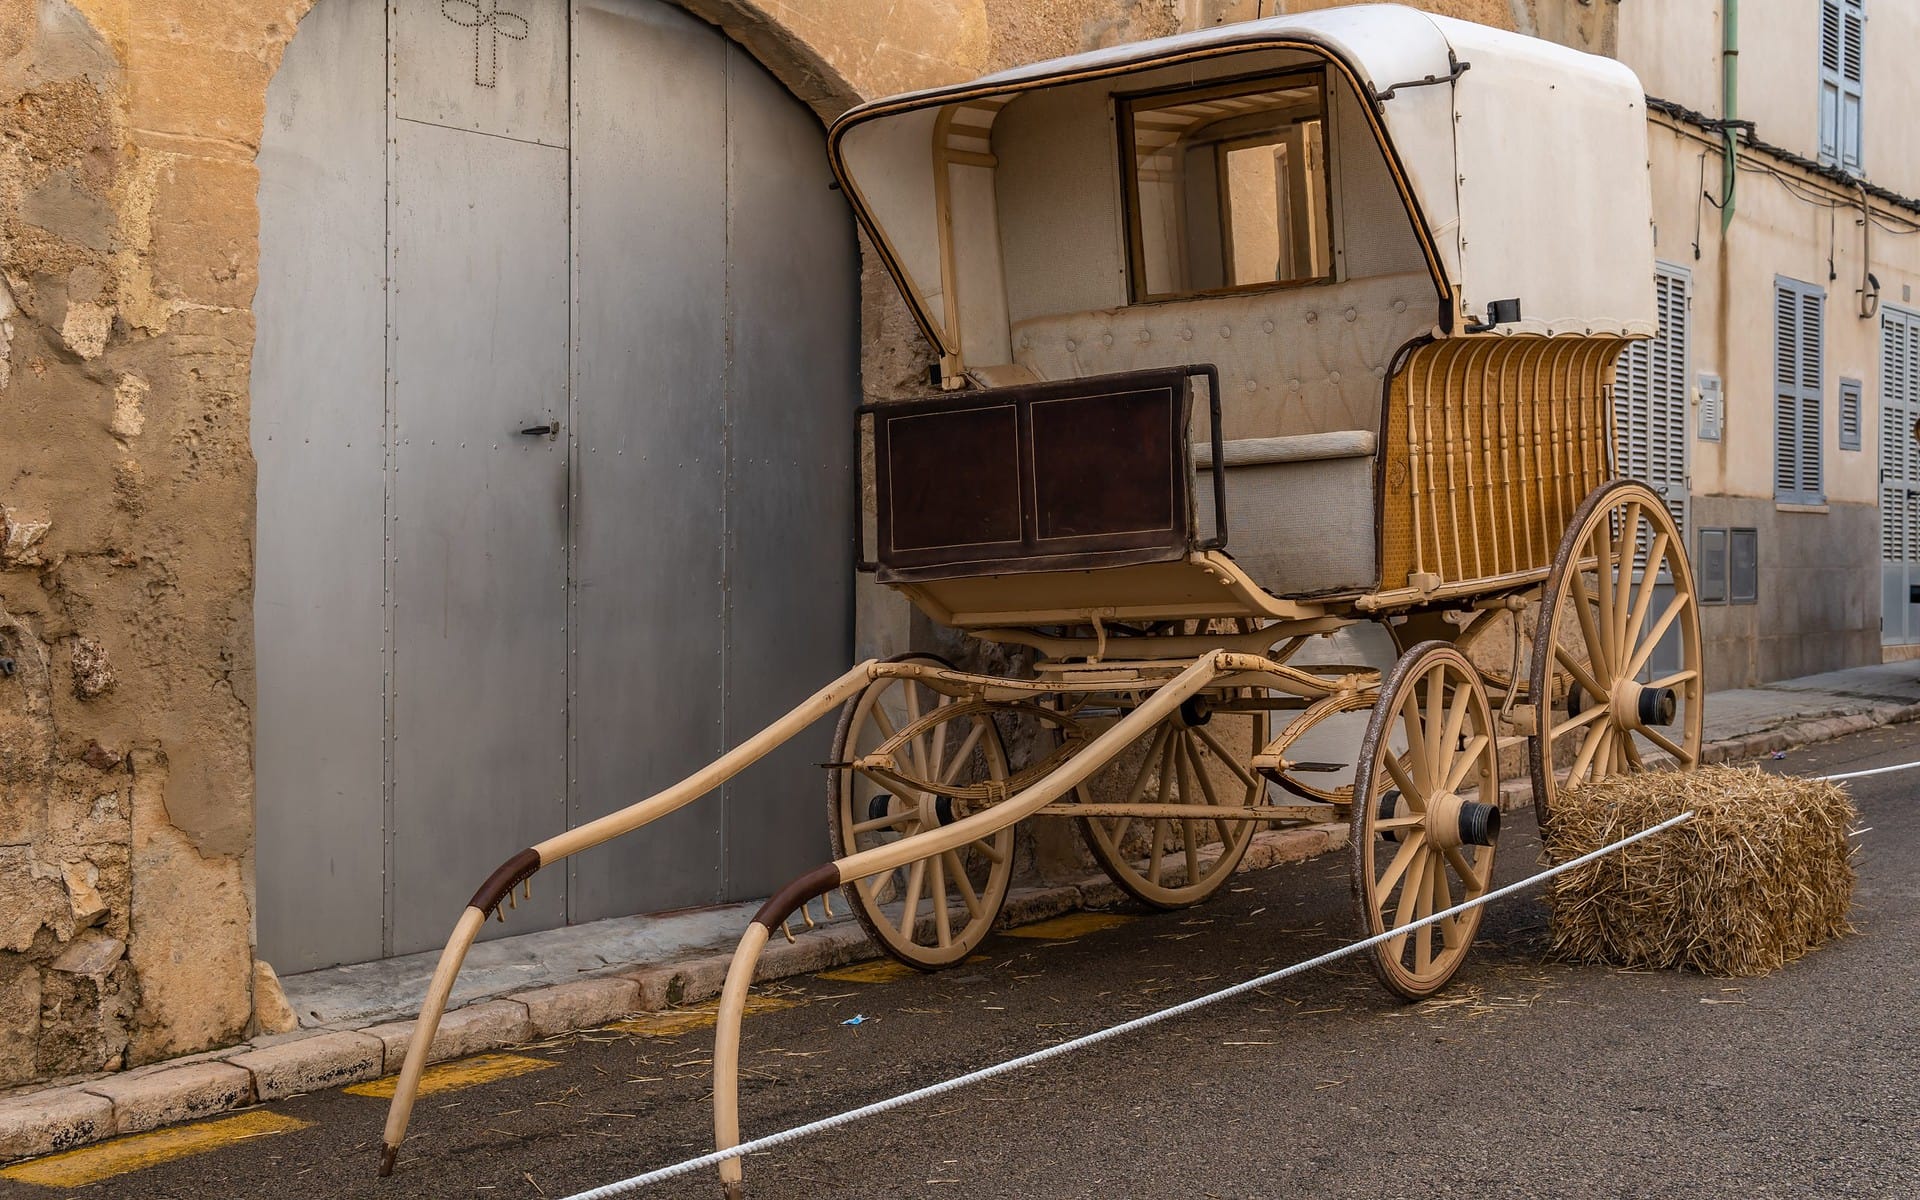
(785,902)
(1074,474)
(509,875)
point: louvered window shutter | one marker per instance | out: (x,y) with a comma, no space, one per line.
(1899,451)
(1849,414)
(1853,66)
(1798,365)
(1843,28)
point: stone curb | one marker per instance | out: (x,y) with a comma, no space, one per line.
(281,1065)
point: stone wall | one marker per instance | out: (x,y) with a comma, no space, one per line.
(128,255)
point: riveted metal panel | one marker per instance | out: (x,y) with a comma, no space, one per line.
(650,376)
(485,65)
(794,288)
(479,353)
(318,420)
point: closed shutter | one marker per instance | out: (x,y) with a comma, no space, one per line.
(1842,80)
(1899,450)
(1798,365)
(1850,414)
(1650,398)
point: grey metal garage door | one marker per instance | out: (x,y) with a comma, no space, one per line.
(551,405)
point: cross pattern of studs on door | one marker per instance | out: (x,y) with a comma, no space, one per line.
(488,21)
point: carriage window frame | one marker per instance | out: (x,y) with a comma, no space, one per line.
(1125,103)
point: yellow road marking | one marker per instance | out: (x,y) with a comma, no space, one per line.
(1072,925)
(882,970)
(451,1076)
(92,1164)
(675,1021)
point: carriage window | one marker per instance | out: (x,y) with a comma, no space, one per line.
(1228,187)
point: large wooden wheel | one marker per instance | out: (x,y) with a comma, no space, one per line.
(1194,760)
(1598,708)
(1426,815)
(934,911)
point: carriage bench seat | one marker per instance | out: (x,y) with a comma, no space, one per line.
(1299,509)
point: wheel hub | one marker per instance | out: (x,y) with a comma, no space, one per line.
(1453,822)
(1635,706)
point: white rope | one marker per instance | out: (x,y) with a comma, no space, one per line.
(1870,771)
(772,1140)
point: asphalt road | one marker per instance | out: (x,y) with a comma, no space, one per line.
(1526,1078)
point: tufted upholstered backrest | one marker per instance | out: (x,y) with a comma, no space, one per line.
(1302,360)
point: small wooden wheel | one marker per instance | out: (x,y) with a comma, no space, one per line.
(1173,862)
(1601,621)
(1426,815)
(911,912)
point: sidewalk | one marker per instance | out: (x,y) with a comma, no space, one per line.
(355,1021)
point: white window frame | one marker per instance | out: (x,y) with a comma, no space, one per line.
(1843,54)
(1799,387)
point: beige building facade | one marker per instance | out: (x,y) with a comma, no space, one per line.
(132,188)
(1790,322)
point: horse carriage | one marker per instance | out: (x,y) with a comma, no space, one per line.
(1244,337)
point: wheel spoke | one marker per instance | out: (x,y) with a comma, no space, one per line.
(1415,880)
(1247,777)
(1670,746)
(1622,552)
(1579,671)
(965,752)
(1467,758)
(1431,717)
(1602,538)
(1596,649)
(1589,746)
(1674,679)
(1417,755)
(942,921)
(1469,874)
(993,853)
(937,752)
(910,907)
(917,746)
(882,721)
(957,871)
(1391,823)
(1659,630)
(1401,780)
(1153,851)
(1191,844)
(1442,901)
(1631,753)
(1572,723)
(1409,850)
(890,821)
(1450,737)
(1223,828)
(1643,598)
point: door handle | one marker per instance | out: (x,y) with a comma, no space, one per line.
(550,429)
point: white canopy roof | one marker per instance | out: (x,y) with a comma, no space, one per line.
(1525,162)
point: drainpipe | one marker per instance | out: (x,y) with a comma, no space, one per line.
(1729,104)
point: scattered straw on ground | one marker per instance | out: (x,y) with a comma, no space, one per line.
(1762,874)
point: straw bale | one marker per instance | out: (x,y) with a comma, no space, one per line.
(1761,874)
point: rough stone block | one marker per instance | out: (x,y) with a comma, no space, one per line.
(654,984)
(271,1012)
(816,950)
(204,229)
(314,1064)
(486,1026)
(46,1122)
(582,1005)
(1026,905)
(19,1020)
(167,1094)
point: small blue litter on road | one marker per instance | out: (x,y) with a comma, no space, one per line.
(856,1019)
